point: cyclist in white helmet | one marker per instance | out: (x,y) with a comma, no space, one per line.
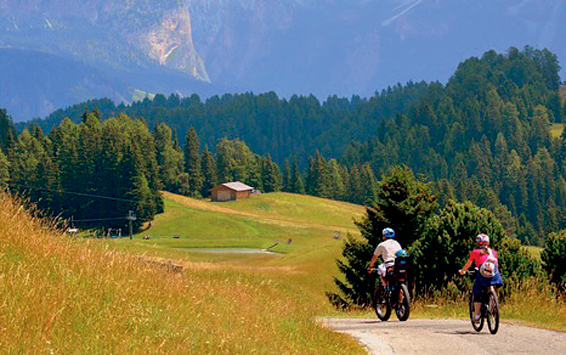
(386,250)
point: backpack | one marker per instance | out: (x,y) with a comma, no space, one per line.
(400,270)
(487,269)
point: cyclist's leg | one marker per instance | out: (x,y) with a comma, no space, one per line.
(381,270)
(477,305)
(477,289)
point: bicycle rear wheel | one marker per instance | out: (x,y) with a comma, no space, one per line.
(403,307)
(479,325)
(492,312)
(381,303)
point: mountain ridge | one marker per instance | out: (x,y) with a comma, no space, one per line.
(318,47)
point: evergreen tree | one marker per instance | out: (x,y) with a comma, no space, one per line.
(7,131)
(272,178)
(4,171)
(368,184)
(193,163)
(30,172)
(286,176)
(208,171)
(65,139)
(318,177)
(296,183)
(355,189)
(336,183)
(256,171)
(169,158)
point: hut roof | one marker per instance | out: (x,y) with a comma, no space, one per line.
(236,186)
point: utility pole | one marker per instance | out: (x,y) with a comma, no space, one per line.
(131,217)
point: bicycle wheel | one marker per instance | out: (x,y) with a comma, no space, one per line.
(381,303)
(492,312)
(403,307)
(479,325)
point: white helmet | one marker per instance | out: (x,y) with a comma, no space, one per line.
(388,233)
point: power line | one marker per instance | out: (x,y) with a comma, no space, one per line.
(98,219)
(109,219)
(82,194)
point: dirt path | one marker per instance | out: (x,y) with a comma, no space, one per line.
(446,336)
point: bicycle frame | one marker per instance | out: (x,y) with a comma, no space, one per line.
(489,308)
(386,300)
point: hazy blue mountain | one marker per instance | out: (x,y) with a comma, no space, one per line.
(55,53)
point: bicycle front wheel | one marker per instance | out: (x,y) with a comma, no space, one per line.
(381,303)
(403,307)
(476,325)
(492,312)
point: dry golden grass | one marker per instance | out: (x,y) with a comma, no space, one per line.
(72,296)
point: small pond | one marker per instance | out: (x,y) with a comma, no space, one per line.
(229,251)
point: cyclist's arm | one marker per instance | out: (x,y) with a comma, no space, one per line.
(462,271)
(372,261)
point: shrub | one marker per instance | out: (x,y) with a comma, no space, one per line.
(553,258)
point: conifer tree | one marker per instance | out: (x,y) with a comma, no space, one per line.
(355,192)
(272,179)
(65,154)
(296,183)
(368,184)
(7,131)
(26,165)
(336,184)
(4,171)
(256,170)
(89,155)
(318,176)
(286,184)
(169,158)
(209,171)
(193,163)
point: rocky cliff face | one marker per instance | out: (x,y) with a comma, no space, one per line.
(119,33)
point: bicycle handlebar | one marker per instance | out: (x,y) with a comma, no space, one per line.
(471,272)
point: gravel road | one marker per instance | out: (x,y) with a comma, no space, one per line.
(447,336)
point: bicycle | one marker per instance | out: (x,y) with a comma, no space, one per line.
(489,307)
(396,296)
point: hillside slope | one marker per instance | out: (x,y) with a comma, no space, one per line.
(296,224)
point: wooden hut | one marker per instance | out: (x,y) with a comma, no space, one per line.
(230,191)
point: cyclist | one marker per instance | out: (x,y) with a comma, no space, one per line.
(488,275)
(386,249)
